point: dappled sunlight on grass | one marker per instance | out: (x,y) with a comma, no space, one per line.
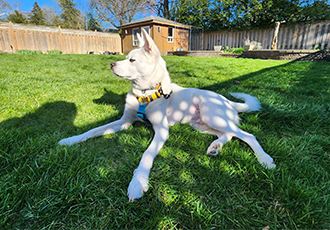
(105,171)
(168,222)
(187,178)
(168,195)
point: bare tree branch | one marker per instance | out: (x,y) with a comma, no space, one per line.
(4,7)
(119,12)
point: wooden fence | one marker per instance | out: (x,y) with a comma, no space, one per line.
(28,37)
(300,36)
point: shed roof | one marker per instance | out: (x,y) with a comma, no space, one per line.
(152,19)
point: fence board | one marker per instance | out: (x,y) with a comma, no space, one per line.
(300,36)
(45,38)
(327,39)
(1,39)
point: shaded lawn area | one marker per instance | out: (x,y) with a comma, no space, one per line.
(44,98)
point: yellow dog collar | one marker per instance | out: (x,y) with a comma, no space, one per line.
(148,99)
(152,97)
(145,100)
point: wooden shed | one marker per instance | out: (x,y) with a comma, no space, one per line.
(168,35)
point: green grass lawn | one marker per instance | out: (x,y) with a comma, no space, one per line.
(44,98)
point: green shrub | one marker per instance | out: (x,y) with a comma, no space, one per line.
(29,52)
(54,51)
(237,50)
(233,50)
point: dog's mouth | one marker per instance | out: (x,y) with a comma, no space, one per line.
(124,77)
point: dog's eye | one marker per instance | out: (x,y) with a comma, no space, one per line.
(132,60)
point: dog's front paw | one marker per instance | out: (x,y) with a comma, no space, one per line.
(138,185)
(66,141)
(266,161)
(71,140)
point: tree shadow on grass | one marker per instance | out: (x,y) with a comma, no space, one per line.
(111,98)
(48,119)
(24,143)
(90,179)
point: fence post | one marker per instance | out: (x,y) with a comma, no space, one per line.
(61,40)
(96,43)
(11,37)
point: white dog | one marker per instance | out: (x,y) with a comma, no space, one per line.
(154,99)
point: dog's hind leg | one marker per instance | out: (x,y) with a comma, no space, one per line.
(248,138)
(216,146)
(224,119)
(263,158)
(226,135)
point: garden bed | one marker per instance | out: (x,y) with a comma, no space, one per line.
(197,53)
(310,55)
(203,53)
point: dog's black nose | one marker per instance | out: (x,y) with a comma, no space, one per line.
(113,64)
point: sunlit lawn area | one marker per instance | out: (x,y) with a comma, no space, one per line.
(44,98)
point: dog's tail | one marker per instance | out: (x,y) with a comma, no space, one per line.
(251,103)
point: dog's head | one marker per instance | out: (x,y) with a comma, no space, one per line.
(143,66)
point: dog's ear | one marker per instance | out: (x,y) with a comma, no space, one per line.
(140,40)
(149,45)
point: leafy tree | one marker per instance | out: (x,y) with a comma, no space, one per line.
(266,13)
(37,15)
(290,11)
(17,17)
(224,13)
(93,24)
(70,16)
(319,10)
(191,12)
(221,14)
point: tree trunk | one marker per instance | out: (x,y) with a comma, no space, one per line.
(166,10)
(275,39)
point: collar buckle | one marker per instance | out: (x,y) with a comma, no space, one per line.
(144,99)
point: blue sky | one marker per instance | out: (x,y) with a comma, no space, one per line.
(26,5)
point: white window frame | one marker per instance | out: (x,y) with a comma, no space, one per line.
(135,39)
(170,38)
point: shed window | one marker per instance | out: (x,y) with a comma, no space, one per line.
(135,39)
(147,29)
(170,34)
